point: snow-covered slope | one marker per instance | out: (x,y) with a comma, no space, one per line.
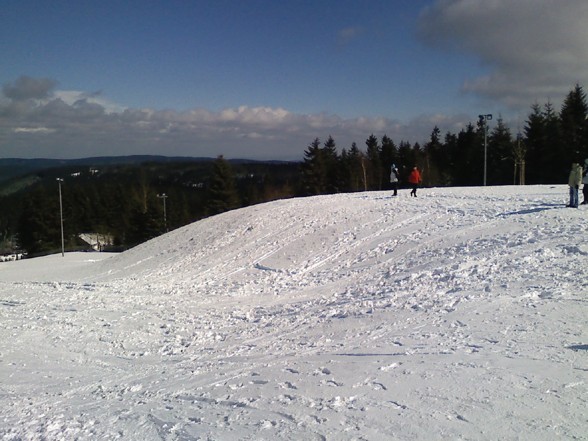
(460,314)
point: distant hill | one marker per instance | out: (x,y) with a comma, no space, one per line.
(14,167)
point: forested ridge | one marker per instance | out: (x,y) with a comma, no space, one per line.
(133,202)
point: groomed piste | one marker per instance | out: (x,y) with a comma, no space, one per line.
(460,314)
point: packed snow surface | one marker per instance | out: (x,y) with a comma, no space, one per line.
(460,314)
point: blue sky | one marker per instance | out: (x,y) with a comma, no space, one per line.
(262,78)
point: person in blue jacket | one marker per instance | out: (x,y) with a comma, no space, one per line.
(574,181)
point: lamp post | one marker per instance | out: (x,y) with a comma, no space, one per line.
(59,181)
(484,122)
(164,197)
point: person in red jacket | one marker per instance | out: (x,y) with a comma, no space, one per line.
(414,180)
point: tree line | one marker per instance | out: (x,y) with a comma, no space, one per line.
(541,154)
(133,203)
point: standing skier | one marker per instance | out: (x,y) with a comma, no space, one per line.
(394,174)
(585,182)
(574,181)
(414,179)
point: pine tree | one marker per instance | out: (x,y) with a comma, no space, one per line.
(353,165)
(574,126)
(535,141)
(389,156)
(555,164)
(469,161)
(321,171)
(406,160)
(222,190)
(313,169)
(145,225)
(451,152)
(500,154)
(375,168)
(330,158)
(432,159)
(39,227)
(520,157)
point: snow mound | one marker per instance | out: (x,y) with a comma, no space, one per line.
(459,314)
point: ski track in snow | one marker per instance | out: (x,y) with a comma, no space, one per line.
(460,314)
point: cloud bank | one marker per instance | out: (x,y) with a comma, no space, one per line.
(537,50)
(37,121)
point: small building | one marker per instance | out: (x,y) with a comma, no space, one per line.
(96,240)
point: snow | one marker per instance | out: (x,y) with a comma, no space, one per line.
(460,314)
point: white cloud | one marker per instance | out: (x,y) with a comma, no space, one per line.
(254,115)
(72,124)
(33,130)
(536,50)
(74,97)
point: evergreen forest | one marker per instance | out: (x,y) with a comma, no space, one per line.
(134,202)
(130,203)
(541,153)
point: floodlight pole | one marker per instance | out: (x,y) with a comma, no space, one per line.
(484,121)
(164,197)
(59,181)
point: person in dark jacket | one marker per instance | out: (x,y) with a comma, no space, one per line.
(394,178)
(414,179)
